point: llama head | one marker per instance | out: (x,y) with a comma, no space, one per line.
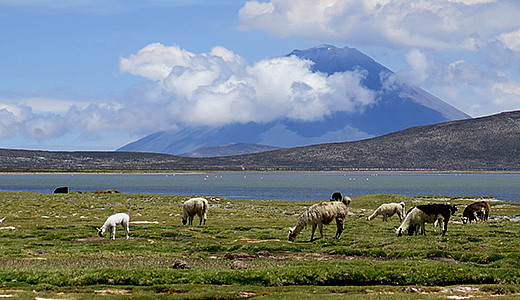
(346,200)
(402,204)
(184,221)
(336,197)
(453,209)
(398,231)
(464,220)
(101,231)
(292,234)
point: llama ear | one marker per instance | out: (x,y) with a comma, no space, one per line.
(395,228)
(291,229)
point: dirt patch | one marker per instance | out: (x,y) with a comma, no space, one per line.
(112,292)
(175,238)
(100,239)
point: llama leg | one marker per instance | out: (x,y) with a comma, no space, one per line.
(113,232)
(127,230)
(313,230)
(339,230)
(321,230)
(444,224)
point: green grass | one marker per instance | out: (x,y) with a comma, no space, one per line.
(243,251)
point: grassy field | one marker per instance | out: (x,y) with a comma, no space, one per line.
(243,251)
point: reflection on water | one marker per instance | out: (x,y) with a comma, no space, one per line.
(275,186)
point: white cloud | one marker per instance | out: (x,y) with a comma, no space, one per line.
(511,40)
(155,61)
(507,95)
(427,23)
(218,88)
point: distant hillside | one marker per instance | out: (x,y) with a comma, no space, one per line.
(228,150)
(398,106)
(483,144)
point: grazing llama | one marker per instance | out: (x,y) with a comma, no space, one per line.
(419,215)
(477,211)
(192,207)
(322,213)
(387,210)
(112,222)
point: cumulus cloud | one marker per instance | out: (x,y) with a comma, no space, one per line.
(511,40)
(428,23)
(219,88)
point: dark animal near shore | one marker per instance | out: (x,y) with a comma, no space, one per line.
(61,190)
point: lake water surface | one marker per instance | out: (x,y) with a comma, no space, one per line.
(275,186)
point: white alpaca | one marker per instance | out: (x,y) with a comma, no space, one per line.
(322,213)
(387,210)
(422,214)
(414,219)
(112,222)
(192,207)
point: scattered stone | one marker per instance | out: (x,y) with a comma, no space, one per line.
(484,260)
(412,290)
(238,265)
(245,295)
(180,264)
(111,292)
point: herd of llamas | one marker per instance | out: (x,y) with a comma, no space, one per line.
(412,222)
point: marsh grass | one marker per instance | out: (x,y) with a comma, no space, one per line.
(243,251)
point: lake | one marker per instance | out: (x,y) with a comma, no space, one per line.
(275,185)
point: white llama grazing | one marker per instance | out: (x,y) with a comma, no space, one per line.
(112,222)
(430,213)
(322,213)
(192,207)
(414,219)
(387,210)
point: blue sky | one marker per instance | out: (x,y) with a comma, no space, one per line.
(96,75)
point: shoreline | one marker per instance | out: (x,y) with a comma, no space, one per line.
(179,172)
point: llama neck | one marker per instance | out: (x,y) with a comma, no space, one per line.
(299,226)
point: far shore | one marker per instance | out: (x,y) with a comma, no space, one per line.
(180,172)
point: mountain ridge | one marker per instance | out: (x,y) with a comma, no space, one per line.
(228,150)
(490,143)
